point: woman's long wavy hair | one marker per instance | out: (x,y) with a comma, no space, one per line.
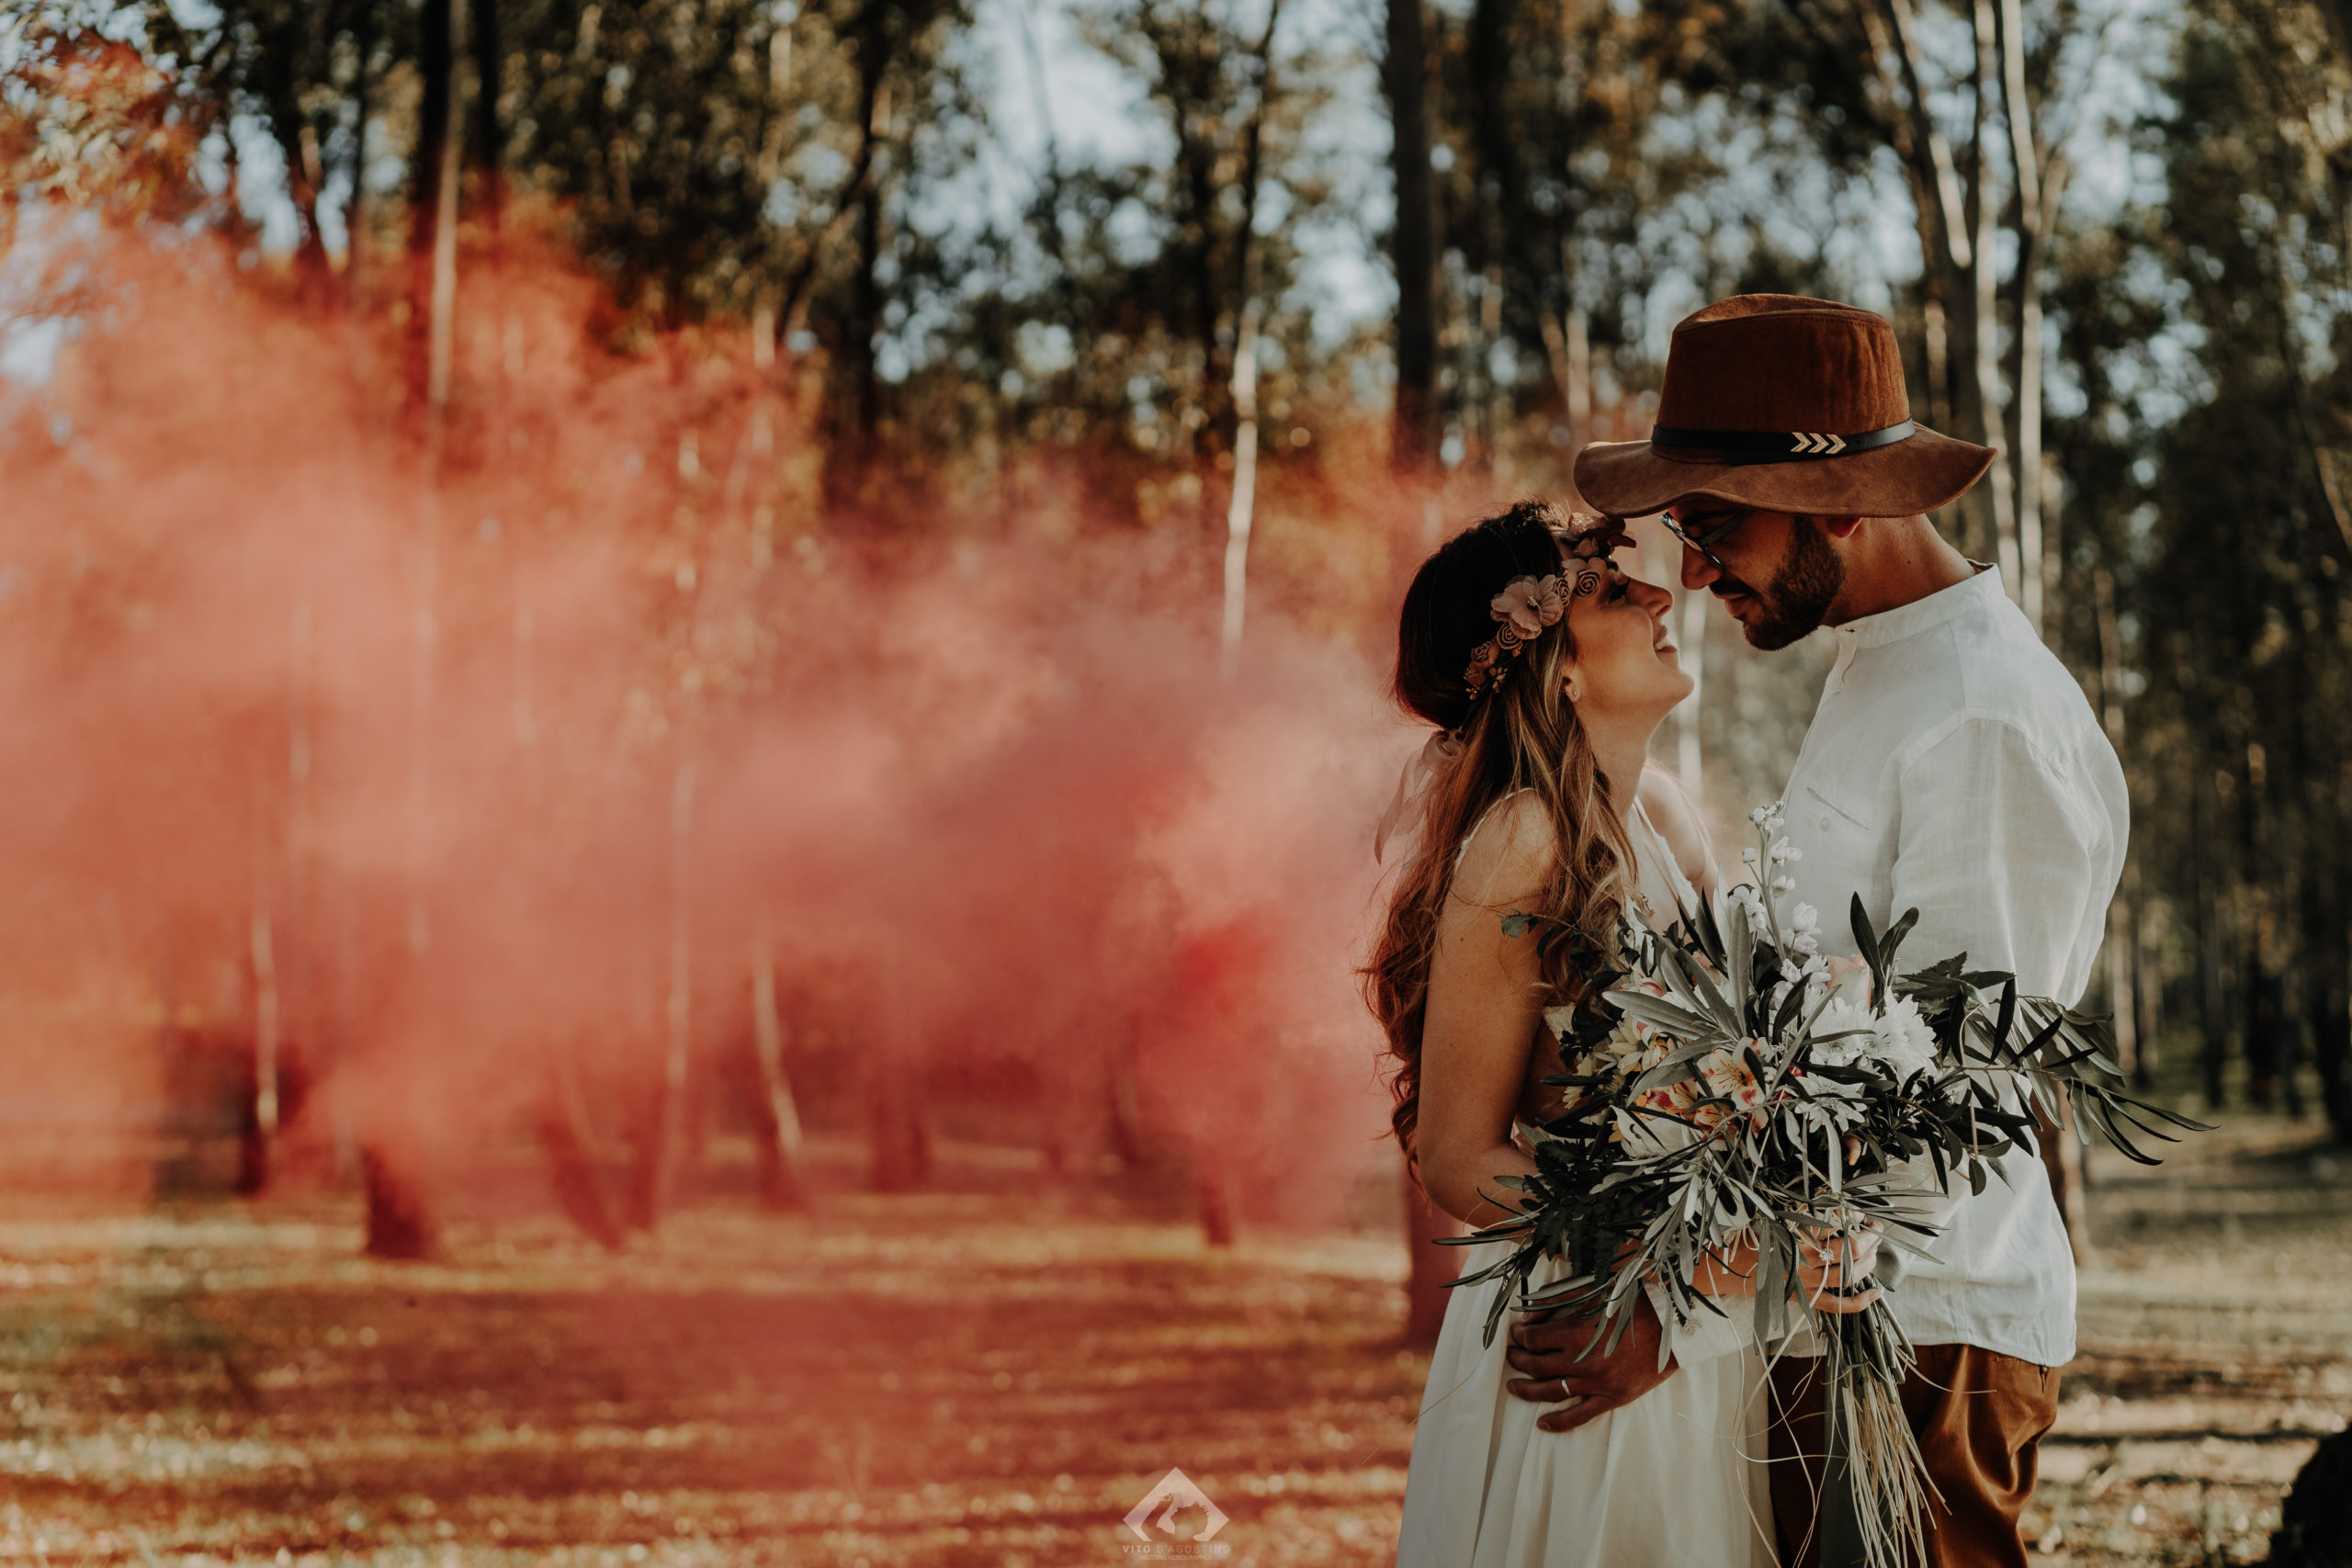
(1525,734)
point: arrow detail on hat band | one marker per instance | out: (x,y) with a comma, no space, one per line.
(1742,448)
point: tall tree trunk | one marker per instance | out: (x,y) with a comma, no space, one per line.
(490,138)
(1568,342)
(1947,234)
(1130,1138)
(780,1184)
(855,398)
(1213,1190)
(2001,489)
(434,166)
(567,1136)
(356,214)
(1414,437)
(900,1144)
(2122,947)
(398,1226)
(1241,507)
(2062,1159)
(2262,1025)
(2328,969)
(257,1163)
(662,1146)
(2213,1020)
(1689,741)
(397,1222)
(2025,162)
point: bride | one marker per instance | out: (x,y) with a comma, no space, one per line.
(1546,670)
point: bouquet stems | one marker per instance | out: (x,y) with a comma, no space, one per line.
(1874,1489)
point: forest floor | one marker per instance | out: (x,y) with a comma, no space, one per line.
(988,1374)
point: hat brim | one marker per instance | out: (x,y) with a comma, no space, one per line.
(1629,478)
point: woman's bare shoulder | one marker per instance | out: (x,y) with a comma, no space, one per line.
(1511,854)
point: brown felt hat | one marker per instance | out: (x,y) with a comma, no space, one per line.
(1788,404)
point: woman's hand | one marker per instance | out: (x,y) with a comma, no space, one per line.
(1824,1269)
(1830,1268)
(1730,1272)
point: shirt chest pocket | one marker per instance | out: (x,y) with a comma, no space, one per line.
(1843,857)
(1834,814)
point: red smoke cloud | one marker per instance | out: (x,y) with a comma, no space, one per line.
(475,780)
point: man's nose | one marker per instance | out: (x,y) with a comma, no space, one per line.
(1696,572)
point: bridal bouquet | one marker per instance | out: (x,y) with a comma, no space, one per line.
(1737,1099)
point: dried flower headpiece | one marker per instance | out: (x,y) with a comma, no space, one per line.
(1525,606)
(1528,604)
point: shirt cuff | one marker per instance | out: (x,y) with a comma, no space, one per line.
(1707,1334)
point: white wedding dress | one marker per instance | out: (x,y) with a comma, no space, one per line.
(1674,1480)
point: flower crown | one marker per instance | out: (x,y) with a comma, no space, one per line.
(1528,603)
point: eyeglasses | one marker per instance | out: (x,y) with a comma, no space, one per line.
(1705,538)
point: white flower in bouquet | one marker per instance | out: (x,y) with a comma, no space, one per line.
(1897,1040)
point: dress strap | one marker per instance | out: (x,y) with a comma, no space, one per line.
(1685,892)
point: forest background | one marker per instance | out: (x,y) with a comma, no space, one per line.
(619,570)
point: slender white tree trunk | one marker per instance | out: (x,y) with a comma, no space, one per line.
(440,354)
(2002,485)
(266,1014)
(1692,636)
(782,1160)
(2036,213)
(2122,913)
(2031,564)
(678,1014)
(1241,512)
(398,1225)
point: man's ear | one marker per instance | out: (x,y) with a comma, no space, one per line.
(1839,527)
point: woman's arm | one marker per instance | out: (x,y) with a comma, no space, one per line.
(1485,1002)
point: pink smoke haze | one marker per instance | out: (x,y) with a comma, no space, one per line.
(482,766)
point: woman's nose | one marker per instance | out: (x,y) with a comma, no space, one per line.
(1651,597)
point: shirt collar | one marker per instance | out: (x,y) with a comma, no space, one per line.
(1922,614)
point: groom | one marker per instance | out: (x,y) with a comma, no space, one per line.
(1954,766)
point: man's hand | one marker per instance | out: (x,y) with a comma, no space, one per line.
(1545,1350)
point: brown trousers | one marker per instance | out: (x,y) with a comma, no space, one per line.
(1979,1417)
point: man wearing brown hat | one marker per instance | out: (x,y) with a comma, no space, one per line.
(1954,766)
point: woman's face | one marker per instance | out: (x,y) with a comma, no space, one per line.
(1626,662)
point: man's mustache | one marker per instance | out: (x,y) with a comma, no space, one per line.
(1730,588)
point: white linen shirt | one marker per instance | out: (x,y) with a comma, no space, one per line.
(1954,766)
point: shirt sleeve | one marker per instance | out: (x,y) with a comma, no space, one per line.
(1997,853)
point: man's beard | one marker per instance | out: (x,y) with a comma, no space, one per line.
(1801,589)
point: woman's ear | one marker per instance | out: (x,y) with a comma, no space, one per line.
(1572,682)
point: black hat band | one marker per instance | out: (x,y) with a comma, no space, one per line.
(1743,448)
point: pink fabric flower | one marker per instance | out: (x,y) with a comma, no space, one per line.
(1590,538)
(1530,604)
